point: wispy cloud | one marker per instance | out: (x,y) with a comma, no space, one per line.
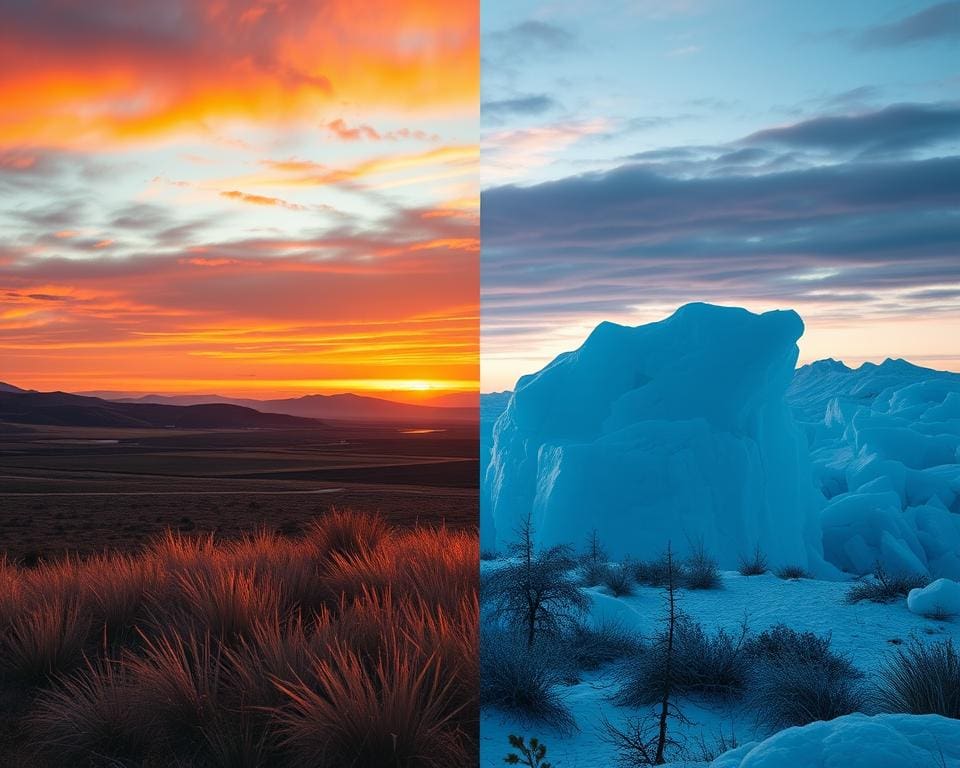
(940,22)
(536,104)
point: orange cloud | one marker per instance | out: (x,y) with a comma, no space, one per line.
(135,69)
(342,131)
(234,194)
(462,159)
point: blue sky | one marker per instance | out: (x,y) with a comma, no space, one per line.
(639,155)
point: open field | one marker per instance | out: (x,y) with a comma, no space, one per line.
(83,490)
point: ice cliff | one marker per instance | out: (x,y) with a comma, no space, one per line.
(673,431)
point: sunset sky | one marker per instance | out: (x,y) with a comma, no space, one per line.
(766,155)
(256,197)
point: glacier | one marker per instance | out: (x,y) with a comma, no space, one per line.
(698,429)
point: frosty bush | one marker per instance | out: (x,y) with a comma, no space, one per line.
(708,665)
(755,564)
(883,587)
(922,679)
(701,571)
(619,580)
(592,646)
(789,572)
(522,679)
(532,755)
(655,573)
(797,679)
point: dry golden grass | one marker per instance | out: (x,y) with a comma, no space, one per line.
(355,645)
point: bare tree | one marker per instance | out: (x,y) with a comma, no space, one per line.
(593,561)
(645,741)
(534,590)
(665,706)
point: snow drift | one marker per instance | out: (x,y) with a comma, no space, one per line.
(673,431)
(855,741)
(941,598)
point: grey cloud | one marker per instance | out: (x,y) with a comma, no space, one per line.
(937,22)
(895,128)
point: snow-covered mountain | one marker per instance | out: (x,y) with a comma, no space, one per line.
(698,428)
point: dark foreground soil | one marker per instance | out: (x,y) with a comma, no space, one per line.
(79,490)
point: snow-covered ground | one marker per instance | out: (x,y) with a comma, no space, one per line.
(865,632)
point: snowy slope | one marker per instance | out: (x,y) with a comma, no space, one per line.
(676,430)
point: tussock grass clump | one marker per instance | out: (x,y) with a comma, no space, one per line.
(703,665)
(797,679)
(356,644)
(342,532)
(395,714)
(921,679)
(593,574)
(93,712)
(47,639)
(883,587)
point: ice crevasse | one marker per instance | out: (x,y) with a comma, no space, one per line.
(698,430)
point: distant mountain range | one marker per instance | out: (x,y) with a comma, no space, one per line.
(346,407)
(210,411)
(66,410)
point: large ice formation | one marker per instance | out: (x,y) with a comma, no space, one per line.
(885,444)
(698,429)
(855,741)
(674,431)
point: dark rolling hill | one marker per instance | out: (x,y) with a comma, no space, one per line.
(344,407)
(64,409)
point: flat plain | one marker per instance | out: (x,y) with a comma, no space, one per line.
(81,490)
